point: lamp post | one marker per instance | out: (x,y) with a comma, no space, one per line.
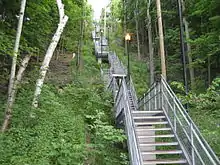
(128,39)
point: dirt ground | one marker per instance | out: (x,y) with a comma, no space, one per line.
(59,72)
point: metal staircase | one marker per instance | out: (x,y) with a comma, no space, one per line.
(158,128)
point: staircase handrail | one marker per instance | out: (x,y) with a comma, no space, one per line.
(193,144)
(194,129)
(133,147)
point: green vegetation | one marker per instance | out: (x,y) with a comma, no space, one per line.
(73,124)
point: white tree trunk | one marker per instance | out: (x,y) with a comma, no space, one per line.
(49,53)
(13,67)
(150,44)
(12,97)
(16,47)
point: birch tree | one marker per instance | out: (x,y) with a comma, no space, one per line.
(12,96)
(45,64)
(8,112)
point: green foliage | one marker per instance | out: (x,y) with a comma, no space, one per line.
(204,108)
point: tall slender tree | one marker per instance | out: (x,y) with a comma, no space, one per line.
(136,11)
(45,65)
(150,43)
(8,112)
(161,39)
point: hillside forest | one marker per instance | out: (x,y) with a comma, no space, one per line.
(58,111)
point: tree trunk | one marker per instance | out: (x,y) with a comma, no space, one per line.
(150,44)
(137,31)
(125,25)
(191,69)
(209,70)
(161,38)
(80,43)
(49,53)
(16,47)
(14,61)
(12,97)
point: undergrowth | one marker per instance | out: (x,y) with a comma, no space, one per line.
(73,125)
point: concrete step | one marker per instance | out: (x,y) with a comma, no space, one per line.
(143,129)
(165,161)
(162,152)
(159,144)
(156,136)
(147,112)
(148,117)
(151,123)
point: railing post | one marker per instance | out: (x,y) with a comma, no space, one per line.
(192,144)
(159,94)
(144,102)
(155,98)
(174,112)
(161,88)
(149,107)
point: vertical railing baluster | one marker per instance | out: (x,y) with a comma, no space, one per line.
(162,100)
(155,98)
(148,102)
(159,95)
(144,102)
(192,144)
(174,113)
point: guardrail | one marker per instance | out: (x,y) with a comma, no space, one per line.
(194,146)
(122,105)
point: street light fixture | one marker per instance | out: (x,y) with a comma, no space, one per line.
(128,39)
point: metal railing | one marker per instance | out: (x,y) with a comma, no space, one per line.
(133,93)
(122,105)
(195,148)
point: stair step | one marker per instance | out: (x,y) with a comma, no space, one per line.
(162,152)
(144,112)
(159,144)
(142,129)
(165,161)
(156,136)
(151,123)
(149,117)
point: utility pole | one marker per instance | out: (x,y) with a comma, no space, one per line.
(161,39)
(182,44)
